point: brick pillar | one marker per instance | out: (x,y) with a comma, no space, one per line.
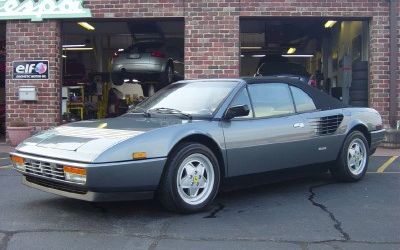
(211,38)
(398,56)
(32,41)
(379,65)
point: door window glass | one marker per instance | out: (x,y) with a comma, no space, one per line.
(271,99)
(302,101)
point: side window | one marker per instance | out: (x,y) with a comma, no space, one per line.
(302,100)
(271,99)
(242,98)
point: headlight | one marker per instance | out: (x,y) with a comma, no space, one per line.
(18,162)
(74,174)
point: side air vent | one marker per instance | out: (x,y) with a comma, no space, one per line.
(326,125)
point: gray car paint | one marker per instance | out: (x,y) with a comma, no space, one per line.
(247,146)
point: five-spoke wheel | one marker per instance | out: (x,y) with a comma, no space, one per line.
(191,180)
(352,162)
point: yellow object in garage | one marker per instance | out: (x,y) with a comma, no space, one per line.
(103,103)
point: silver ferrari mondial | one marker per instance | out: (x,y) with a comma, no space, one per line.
(193,138)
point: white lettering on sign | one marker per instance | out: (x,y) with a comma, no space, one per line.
(28,68)
(37,11)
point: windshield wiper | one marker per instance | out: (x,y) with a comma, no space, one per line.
(169,111)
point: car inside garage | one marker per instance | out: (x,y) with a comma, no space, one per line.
(109,66)
(2,80)
(327,53)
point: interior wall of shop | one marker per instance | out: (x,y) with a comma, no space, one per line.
(211,42)
(107,38)
(340,44)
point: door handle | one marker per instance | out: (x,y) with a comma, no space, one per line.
(298,125)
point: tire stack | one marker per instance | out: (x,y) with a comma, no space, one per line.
(359,84)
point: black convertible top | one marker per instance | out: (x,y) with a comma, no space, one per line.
(322,100)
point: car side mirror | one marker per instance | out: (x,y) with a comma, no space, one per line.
(237,111)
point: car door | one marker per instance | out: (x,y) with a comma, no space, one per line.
(323,143)
(270,138)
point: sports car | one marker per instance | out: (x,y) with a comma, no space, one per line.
(194,138)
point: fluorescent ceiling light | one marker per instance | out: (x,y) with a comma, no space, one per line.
(297,55)
(257,55)
(86,25)
(291,50)
(89,48)
(249,47)
(64,56)
(330,23)
(120,50)
(241,55)
(73,45)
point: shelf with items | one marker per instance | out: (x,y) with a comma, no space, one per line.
(75,100)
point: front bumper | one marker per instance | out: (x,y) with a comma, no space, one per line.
(128,180)
(377,137)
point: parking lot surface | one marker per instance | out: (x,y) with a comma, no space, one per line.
(310,213)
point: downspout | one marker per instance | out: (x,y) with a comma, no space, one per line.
(393,60)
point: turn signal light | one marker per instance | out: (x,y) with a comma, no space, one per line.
(18,162)
(74,170)
(74,174)
(17,159)
(139,155)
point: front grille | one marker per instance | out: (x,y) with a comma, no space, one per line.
(45,169)
(56,185)
(326,125)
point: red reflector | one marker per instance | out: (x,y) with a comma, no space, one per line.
(157,54)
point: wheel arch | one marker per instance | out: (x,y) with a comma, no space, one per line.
(208,142)
(363,129)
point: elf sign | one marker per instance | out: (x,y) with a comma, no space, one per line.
(42,9)
(31,70)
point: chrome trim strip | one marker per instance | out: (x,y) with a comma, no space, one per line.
(48,178)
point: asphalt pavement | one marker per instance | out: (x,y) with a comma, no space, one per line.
(310,213)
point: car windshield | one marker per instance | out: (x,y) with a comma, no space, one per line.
(200,98)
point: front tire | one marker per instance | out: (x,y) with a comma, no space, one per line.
(191,179)
(352,163)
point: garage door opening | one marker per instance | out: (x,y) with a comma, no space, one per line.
(327,53)
(2,81)
(109,66)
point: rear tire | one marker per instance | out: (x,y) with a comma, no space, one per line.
(167,77)
(352,163)
(191,179)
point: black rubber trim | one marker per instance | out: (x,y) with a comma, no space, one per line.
(56,185)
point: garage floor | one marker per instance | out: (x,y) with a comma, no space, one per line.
(313,213)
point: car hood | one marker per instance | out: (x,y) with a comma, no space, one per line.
(84,141)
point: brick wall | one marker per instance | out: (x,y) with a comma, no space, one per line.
(135,8)
(30,41)
(398,56)
(211,38)
(211,42)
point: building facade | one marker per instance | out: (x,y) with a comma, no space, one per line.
(211,44)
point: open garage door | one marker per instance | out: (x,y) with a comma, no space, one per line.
(2,81)
(329,54)
(111,65)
